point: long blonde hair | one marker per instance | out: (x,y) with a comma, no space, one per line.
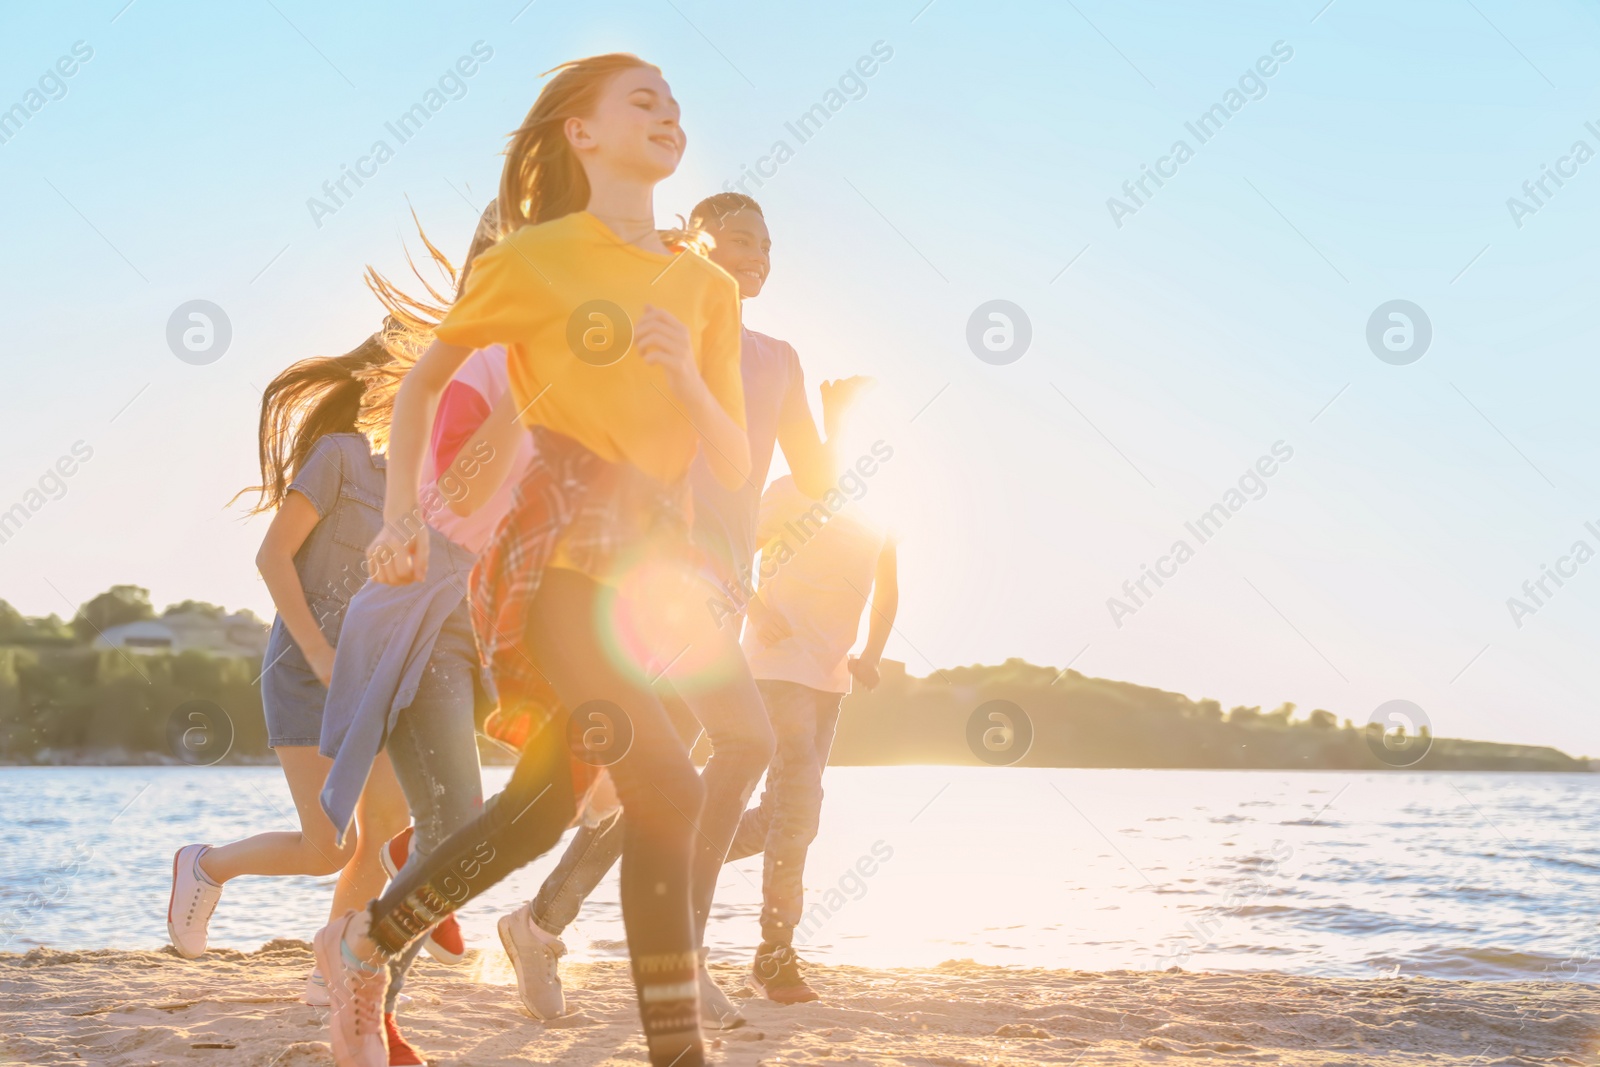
(543,178)
(410,320)
(354,393)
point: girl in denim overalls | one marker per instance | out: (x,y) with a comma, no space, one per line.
(319,473)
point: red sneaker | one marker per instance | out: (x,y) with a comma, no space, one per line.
(396,852)
(401,1054)
(444,942)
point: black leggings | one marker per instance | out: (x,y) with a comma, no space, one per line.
(659,791)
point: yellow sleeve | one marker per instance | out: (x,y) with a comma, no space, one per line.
(720,346)
(502,301)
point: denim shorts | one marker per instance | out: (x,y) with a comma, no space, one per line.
(344,482)
(291,697)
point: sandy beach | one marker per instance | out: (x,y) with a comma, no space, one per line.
(138,1008)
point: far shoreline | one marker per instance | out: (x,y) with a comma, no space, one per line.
(100,758)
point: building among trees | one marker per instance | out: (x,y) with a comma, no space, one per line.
(238,634)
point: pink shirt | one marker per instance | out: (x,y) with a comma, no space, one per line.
(466,402)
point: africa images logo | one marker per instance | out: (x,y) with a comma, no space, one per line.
(451,85)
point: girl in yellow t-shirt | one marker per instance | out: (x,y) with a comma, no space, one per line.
(623,357)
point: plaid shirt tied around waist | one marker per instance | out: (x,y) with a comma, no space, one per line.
(600,515)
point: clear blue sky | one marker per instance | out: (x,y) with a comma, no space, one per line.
(1223,316)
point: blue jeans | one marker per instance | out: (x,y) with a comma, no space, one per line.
(591,853)
(782,825)
(434,750)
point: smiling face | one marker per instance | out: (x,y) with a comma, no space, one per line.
(743,249)
(633,130)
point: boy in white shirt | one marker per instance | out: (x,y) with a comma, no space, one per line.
(817,566)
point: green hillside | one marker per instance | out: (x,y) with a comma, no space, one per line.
(1079,721)
(66,698)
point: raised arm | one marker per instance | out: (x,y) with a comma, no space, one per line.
(811,460)
(814,462)
(399,554)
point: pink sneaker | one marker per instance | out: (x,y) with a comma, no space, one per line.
(355,1001)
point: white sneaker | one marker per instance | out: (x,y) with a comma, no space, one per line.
(716,1010)
(192,902)
(316,989)
(533,954)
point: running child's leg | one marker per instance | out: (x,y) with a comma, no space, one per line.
(586,861)
(661,800)
(515,827)
(735,721)
(380,814)
(794,790)
(531,935)
(435,754)
(593,850)
(751,837)
(660,795)
(199,871)
(309,850)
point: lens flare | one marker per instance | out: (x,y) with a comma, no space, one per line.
(669,617)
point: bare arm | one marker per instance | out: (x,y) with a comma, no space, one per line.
(885,605)
(766,622)
(728,445)
(663,341)
(399,554)
(813,461)
(275,560)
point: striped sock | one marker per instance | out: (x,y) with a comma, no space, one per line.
(669,1008)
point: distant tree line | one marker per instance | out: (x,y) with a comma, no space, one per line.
(1072,720)
(63,698)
